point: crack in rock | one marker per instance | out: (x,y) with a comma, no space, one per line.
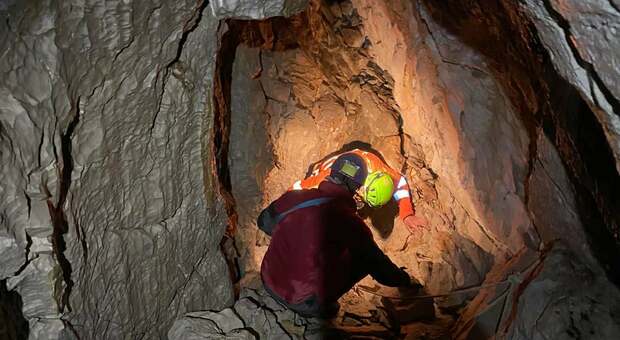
(564,24)
(57,213)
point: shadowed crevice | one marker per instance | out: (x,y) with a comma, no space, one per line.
(13,324)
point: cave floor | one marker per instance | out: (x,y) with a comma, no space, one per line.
(364,315)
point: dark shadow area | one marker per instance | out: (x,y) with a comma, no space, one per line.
(382,218)
(13,325)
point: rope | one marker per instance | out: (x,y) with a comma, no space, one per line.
(513,279)
(419,297)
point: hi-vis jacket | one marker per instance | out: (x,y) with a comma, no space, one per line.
(401,187)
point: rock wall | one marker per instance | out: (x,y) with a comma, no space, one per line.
(110,219)
(546,74)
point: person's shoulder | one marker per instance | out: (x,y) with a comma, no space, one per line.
(294,197)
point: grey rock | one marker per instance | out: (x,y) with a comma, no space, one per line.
(256,9)
(12,256)
(255,315)
(552,202)
(567,301)
(209,325)
(260,319)
(36,285)
(557,296)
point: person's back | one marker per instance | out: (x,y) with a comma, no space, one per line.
(312,250)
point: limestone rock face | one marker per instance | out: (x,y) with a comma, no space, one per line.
(256,9)
(110,222)
(254,316)
(566,300)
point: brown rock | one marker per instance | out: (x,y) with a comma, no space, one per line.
(409,310)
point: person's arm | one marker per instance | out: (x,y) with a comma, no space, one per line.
(377,264)
(402,196)
(382,269)
(406,211)
(310,182)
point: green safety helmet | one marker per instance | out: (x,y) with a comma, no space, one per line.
(378,188)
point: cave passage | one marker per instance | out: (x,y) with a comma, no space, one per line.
(290,92)
(284,101)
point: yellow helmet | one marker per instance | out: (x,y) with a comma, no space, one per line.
(378,188)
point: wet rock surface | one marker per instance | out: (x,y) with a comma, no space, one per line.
(138,140)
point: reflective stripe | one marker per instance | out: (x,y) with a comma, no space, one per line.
(297,185)
(402,182)
(307,204)
(328,163)
(401,194)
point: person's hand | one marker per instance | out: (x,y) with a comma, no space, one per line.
(415,222)
(417,226)
(412,286)
(408,280)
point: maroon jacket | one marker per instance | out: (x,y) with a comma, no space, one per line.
(320,252)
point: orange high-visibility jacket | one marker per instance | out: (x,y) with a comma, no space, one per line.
(401,187)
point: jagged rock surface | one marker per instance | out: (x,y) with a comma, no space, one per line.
(105,136)
(256,9)
(551,296)
(582,38)
(254,316)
